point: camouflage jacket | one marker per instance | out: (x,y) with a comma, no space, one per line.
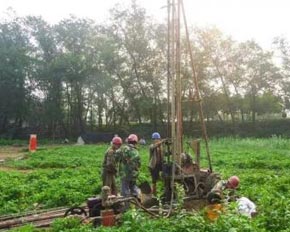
(220,186)
(109,163)
(130,162)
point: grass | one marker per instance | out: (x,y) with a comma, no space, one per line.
(65,176)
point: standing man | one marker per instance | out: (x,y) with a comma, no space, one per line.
(109,165)
(155,159)
(129,167)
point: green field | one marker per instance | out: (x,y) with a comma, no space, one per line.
(67,175)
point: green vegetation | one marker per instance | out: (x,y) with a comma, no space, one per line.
(65,176)
(77,75)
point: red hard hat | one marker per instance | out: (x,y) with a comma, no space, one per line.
(132,138)
(233,182)
(117,140)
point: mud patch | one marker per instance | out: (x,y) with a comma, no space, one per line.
(9,169)
(11,152)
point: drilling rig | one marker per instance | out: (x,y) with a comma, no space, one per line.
(179,166)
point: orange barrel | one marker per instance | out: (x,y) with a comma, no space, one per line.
(33,143)
(108,217)
(213,211)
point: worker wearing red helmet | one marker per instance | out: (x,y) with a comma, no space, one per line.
(216,194)
(129,167)
(109,165)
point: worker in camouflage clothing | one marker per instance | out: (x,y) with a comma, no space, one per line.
(155,159)
(109,165)
(216,193)
(129,167)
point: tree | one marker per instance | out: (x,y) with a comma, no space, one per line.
(15,73)
(77,65)
(142,69)
(283,50)
(258,72)
(217,48)
(47,75)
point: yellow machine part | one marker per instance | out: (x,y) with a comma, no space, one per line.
(213,211)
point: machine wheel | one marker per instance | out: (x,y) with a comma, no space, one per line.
(75,211)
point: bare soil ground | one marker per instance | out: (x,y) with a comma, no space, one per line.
(10,152)
(8,169)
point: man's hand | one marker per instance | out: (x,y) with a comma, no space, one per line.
(167,141)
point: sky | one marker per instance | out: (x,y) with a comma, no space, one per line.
(261,20)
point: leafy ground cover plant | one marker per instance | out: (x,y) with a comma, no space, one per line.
(66,176)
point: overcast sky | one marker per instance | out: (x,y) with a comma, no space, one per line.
(261,20)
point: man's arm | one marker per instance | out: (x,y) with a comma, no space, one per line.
(159,143)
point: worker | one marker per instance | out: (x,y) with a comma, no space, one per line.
(129,167)
(155,159)
(215,196)
(216,193)
(110,165)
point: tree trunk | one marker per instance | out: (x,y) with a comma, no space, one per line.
(254,104)
(79,112)
(3,125)
(154,114)
(91,119)
(220,118)
(243,116)
(100,111)
(226,94)
(69,112)
(254,109)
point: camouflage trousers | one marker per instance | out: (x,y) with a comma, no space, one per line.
(109,180)
(129,187)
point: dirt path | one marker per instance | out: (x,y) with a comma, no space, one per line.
(11,152)
(8,169)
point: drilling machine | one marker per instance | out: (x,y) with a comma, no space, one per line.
(179,167)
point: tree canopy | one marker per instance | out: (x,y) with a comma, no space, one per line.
(77,75)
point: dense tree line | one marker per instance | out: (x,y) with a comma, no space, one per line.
(76,76)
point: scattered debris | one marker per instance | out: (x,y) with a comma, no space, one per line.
(80,141)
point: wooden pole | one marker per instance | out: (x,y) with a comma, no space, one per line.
(178,90)
(173,91)
(29,219)
(168,67)
(201,116)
